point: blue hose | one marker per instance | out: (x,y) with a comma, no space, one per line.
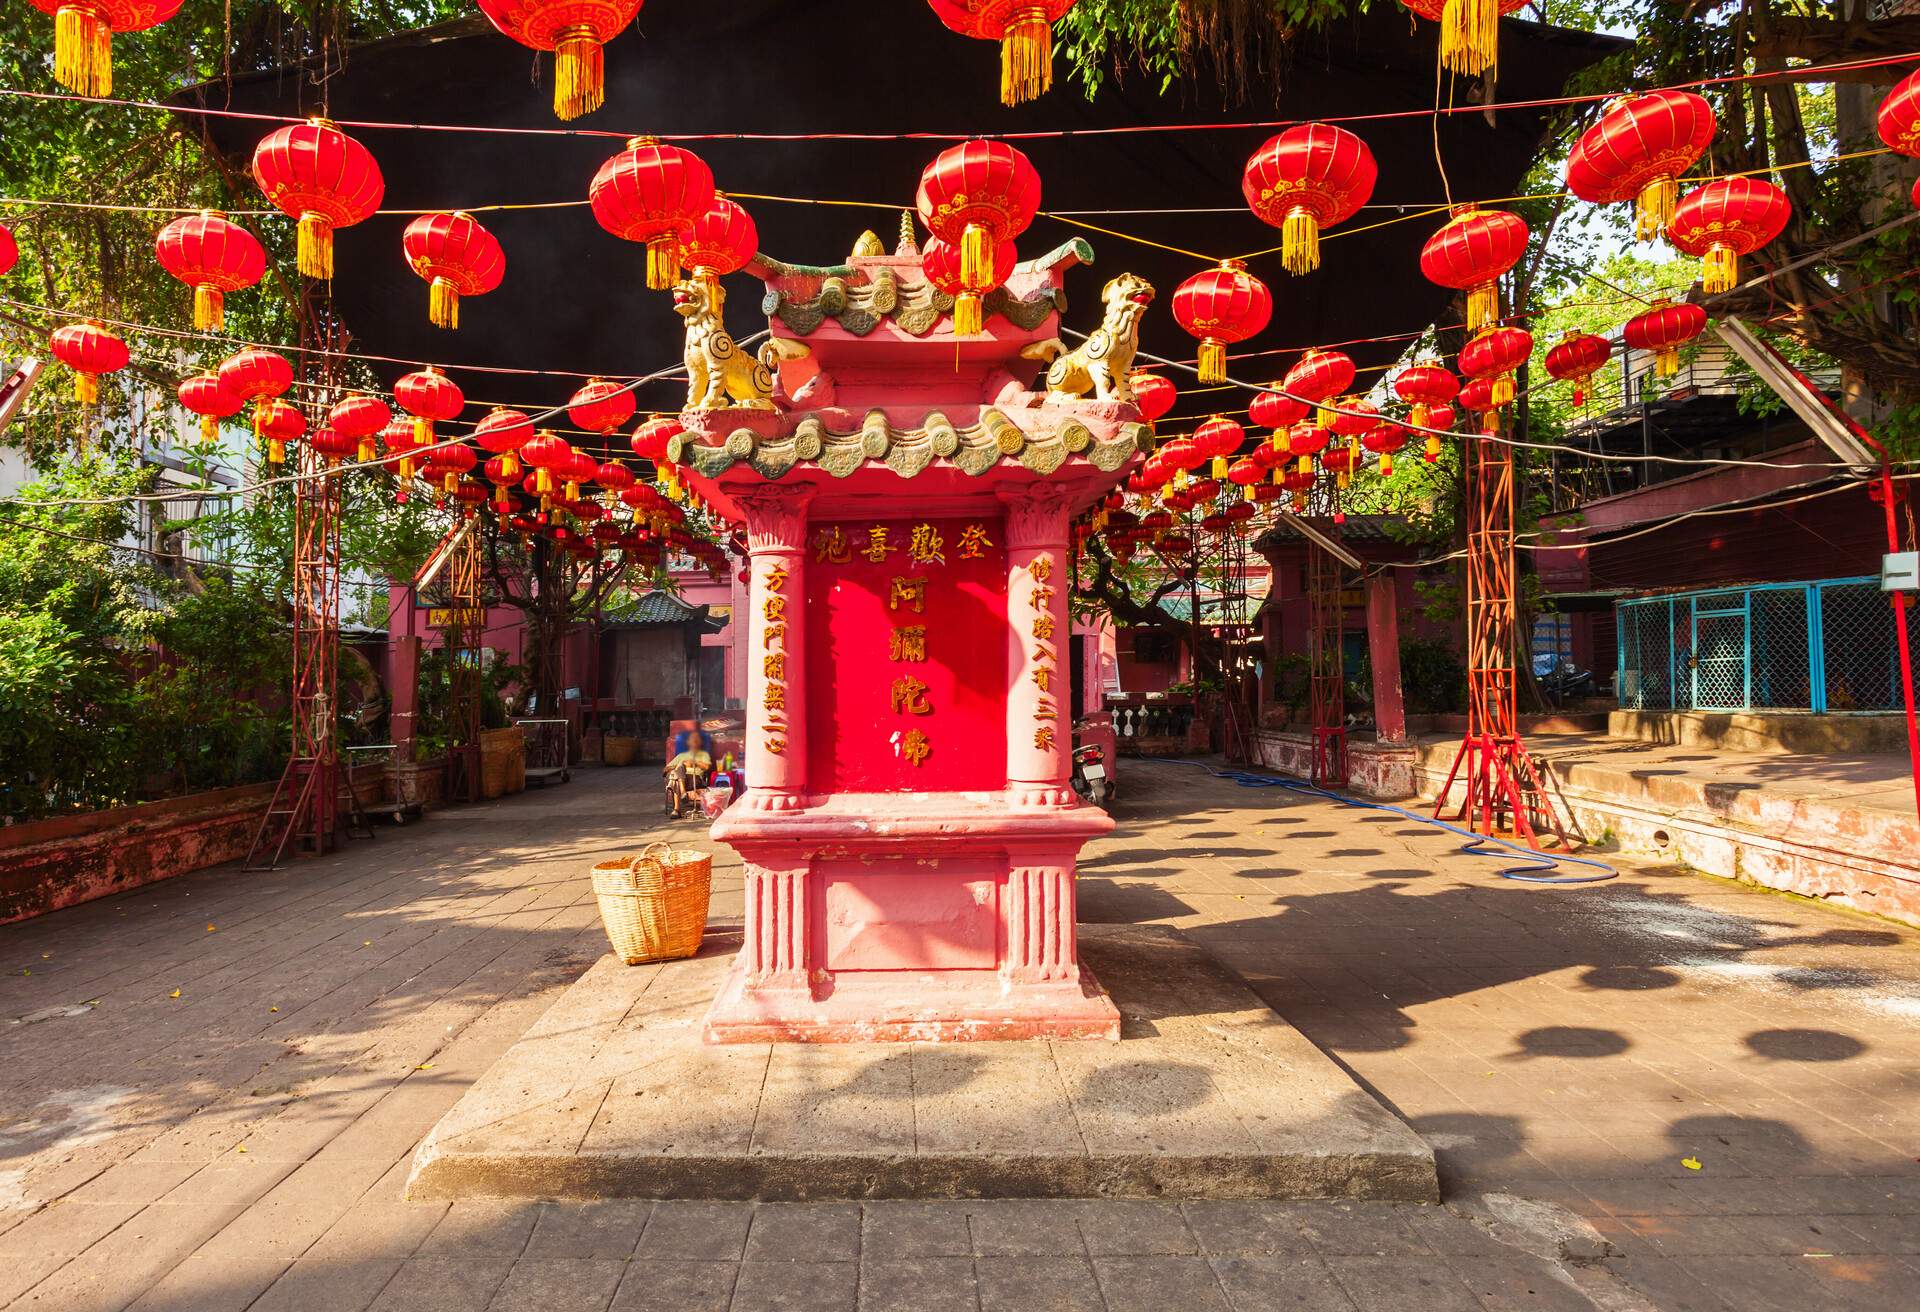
(1476,844)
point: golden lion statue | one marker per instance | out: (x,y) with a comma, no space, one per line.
(1101,363)
(718,375)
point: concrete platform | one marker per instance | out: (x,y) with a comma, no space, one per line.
(1208,1094)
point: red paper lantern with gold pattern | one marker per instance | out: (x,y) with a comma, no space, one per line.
(315,173)
(1353,415)
(1494,355)
(1663,330)
(9,250)
(650,439)
(1899,116)
(1724,219)
(1423,386)
(400,439)
(457,257)
(358,418)
(1469,31)
(1384,440)
(1272,409)
(1024,29)
(976,195)
(280,424)
(83,34)
(332,445)
(1153,394)
(1471,253)
(205,395)
(90,350)
(446,464)
(601,406)
(574,30)
(1637,152)
(1576,358)
(721,241)
(940,261)
(430,397)
(1308,178)
(1221,306)
(213,257)
(652,193)
(1318,376)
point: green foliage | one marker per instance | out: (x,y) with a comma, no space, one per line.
(1241,45)
(206,702)
(1432,678)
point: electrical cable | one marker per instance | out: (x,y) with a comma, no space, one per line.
(1536,860)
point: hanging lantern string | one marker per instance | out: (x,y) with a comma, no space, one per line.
(1803,73)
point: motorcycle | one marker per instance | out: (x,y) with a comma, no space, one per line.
(1090,776)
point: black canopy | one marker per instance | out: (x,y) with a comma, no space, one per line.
(574,297)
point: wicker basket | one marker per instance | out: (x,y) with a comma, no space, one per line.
(655,905)
(499,749)
(618,749)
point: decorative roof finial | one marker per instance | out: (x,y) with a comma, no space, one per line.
(868,245)
(909,243)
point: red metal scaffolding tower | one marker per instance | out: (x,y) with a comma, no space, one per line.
(465,672)
(305,810)
(1502,786)
(1326,661)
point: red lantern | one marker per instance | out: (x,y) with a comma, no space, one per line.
(614,477)
(357,419)
(1495,354)
(470,495)
(580,468)
(89,350)
(1246,471)
(205,395)
(1476,396)
(1663,330)
(721,241)
(9,250)
(1423,386)
(446,464)
(430,397)
(1310,177)
(1576,358)
(256,375)
(1221,306)
(1724,219)
(652,193)
(333,445)
(1899,117)
(1270,409)
(976,195)
(940,261)
(279,423)
(1471,253)
(650,439)
(549,455)
(213,257)
(1354,416)
(574,30)
(317,174)
(600,406)
(1024,29)
(1384,440)
(1469,31)
(1307,441)
(1637,152)
(457,257)
(504,432)
(1218,439)
(400,441)
(83,32)
(1318,376)
(1153,394)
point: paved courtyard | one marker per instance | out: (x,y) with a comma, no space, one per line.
(1662,1092)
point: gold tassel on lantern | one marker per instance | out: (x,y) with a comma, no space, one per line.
(1502,393)
(543,484)
(1483,306)
(209,427)
(276,451)
(1433,447)
(1306,464)
(422,432)
(1026,56)
(1299,242)
(86,388)
(366,455)
(450,481)
(1386,464)
(1666,361)
(209,308)
(1719,270)
(82,52)
(314,245)
(976,257)
(1213,360)
(1278,476)
(1470,36)
(663,262)
(509,465)
(1219,467)
(1654,209)
(969,315)
(443,304)
(572,490)
(579,73)
(406,469)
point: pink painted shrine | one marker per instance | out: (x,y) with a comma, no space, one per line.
(908,833)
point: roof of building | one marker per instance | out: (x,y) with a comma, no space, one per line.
(656,608)
(1358,528)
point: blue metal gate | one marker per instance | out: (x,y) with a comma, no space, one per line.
(1826,645)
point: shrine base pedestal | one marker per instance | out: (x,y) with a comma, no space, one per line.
(927,1009)
(1208,1094)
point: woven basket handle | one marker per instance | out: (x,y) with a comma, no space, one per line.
(660,862)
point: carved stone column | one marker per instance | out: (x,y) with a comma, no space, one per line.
(1040,921)
(776,634)
(1039,731)
(774,952)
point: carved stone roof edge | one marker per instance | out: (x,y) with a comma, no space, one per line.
(1075,250)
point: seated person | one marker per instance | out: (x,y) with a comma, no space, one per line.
(693,757)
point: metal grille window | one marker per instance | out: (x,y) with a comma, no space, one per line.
(1820,646)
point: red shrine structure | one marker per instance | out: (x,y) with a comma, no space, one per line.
(909,833)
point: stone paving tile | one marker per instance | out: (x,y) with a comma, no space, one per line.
(1302,1283)
(1402,1282)
(796,1287)
(609,1229)
(1124,1227)
(1037,1284)
(313,1285)
(918,1284)
(895,1231)
(1226,1228)
(1153,1284)
(1017,1227)
(804,1232)
(683,1231)
(443,1284)
(675,1286)
(558,1284)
